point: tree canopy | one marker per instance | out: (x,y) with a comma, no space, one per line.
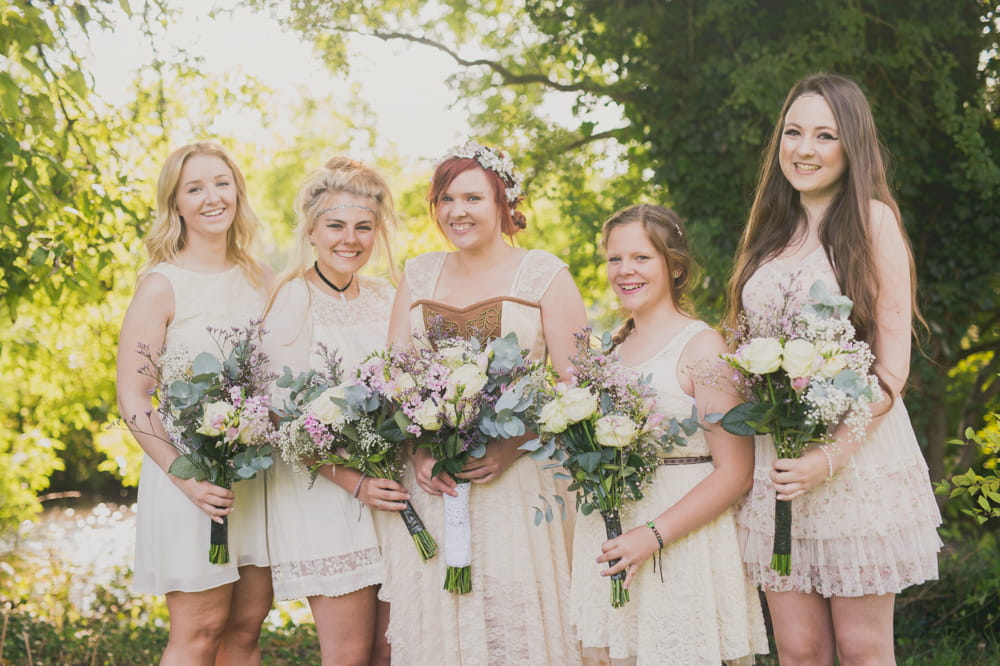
(671,102)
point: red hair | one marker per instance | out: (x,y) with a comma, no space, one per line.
(511,219)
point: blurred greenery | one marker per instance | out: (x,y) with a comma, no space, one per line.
(671,103)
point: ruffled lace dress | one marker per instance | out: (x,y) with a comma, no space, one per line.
(322,541)
(869,530)
(702,610)
(517,611)
(172,534)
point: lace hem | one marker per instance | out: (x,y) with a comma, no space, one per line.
(338,565)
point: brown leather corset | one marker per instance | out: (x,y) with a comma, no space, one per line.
(480,320)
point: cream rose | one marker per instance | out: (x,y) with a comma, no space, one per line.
(578,404)
(325,410)
(797,357)
(403,383)
(760,356)
(452,357)
(214,418)
(552,418)
(426,416)
(615,430)
(467,376)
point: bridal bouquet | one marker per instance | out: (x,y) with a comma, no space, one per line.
(216,410)
(329,421)
(605,432)
(453,398)
(804,373)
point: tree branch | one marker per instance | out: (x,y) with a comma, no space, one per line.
(509,77)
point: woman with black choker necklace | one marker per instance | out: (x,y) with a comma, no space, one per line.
(322,544)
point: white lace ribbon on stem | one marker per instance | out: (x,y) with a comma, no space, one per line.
(457,532)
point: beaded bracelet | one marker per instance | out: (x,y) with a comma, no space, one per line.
(357,488)
(829,461)
(651,525)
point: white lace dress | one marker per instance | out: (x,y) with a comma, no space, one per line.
(872,528)
(172,534)
(702,610)
(517,611)
(322,541)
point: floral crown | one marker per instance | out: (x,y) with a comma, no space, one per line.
(493,160)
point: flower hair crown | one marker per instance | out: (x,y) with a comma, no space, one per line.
(493,160)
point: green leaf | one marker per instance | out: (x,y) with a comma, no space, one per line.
(183,468)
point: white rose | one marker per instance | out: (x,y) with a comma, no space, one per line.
(214,418)
(552,418)
(452,357)
(469,377)
(797,357)
(579,404)
(325,409)
(404,382)
(426,416)
(760,356)
(615,430)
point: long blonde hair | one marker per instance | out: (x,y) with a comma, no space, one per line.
(168,235)
(844,230)
(339,174)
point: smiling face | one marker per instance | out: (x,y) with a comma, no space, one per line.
(467,211)
(206,196)
(638,273)
(344,235)
(811,154)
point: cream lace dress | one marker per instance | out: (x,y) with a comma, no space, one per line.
(517,611)
(872,528)
(172,534)
(703,610)
(322,541)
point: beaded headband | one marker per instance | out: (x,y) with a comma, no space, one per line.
(493,160)
(338,206)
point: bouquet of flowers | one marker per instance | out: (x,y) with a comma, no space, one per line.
(605,432)
(804,373)
(216,411)
(453,398)
(327,420)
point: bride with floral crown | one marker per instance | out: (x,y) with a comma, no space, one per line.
(517,609)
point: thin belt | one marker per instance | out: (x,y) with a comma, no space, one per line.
(689,460)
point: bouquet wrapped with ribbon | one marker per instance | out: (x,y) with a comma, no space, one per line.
(216,409)
(329,419)
(803,373)
(604,430)
(453,398)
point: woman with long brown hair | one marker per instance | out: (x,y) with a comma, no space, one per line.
(865,515)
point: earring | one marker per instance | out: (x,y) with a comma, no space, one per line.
(677,274)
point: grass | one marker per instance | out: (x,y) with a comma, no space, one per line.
(950,622)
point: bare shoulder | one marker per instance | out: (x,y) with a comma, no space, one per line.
(707,344)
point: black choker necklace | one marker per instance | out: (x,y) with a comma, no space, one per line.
(331,285)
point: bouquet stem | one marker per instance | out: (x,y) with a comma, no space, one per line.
(781,555)
(613,527)
(218,548)
(422,539)
(458,541)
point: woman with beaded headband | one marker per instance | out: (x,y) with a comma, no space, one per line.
(200,273)
(695,605)
(864,513)
(516,612)
(324,546)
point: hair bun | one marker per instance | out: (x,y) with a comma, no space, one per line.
(520,221)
